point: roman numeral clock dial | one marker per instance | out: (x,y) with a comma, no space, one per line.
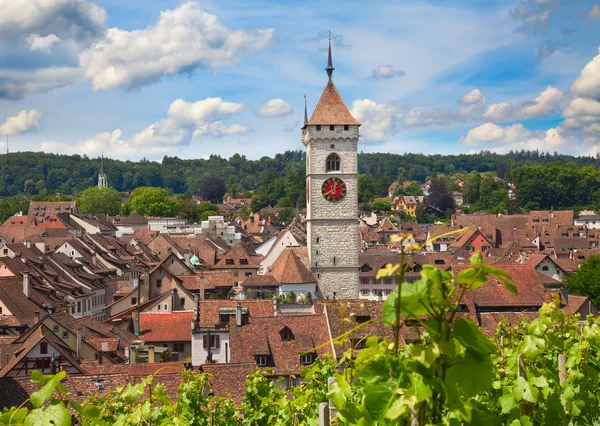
(333,189)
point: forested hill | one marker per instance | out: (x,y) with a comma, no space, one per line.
(542,180)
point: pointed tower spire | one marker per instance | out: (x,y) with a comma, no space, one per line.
(329,68)
(305,112)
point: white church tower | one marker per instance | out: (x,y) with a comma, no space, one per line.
(331,139)
(102,179)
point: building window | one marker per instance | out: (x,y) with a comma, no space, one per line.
(261,361)
(165,307)
(318,240)
(228,261)
(362,318)
(65,335)
(333,163)
(365,292)
(158,284)
(178,347)
(215,341)
(243,261)
(365,280)
(286,335)
(159,306)
(545,268)
(388,291)
(318,127)
(43,348)
(469,248)
(332,127)
(248,274)
(55,328)
(359,343)
(485,248)
(236,284)
(133,300)
(235,273)
(182,302)
(307,359)
(346,127)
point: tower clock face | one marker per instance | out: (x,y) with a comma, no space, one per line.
(333,189)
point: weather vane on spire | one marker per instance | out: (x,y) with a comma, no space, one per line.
(329,68)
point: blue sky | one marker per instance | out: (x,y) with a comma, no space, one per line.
(147,78)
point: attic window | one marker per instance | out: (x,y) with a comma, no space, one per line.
(228,261)
(545,268)
(54,329)
(366,268)
(286,334)
(439,262)
(243,261)
(43,348)
(318,127)
(261,361)
(346,127)
(307,359)
(362,318)
(65,335)
(332,127)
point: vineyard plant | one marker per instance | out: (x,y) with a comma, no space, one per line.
(539,372)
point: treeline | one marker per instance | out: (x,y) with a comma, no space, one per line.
(542,180)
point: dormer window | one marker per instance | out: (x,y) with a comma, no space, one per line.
(333,163)
(332,127)
(286,334)
(243,261)
(307,359)
(365,268)
(228,261)
(362,318)
(261,361)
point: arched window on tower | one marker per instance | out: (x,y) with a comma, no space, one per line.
(333,163)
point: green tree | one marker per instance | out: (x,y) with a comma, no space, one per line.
(381,205)
(439,196)
(471,188)
(235,190)
(99,200)
(366,188)
(586,281)
(212,188)
(150,201)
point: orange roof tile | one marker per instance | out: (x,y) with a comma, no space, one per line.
(331,109)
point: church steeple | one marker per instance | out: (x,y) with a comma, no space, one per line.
(329,68)
(102,180)
(305,112)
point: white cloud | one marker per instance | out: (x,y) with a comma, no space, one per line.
(189,121)
(42,44)
(67,19)
(582,107)
(594,12)
(378,120)
(425,117)
(588,83)
(17,84)
(24,122)
(386,72)
(473,104)
(500,139)
(52,147)
(182,40)
(275,108)
(547,102)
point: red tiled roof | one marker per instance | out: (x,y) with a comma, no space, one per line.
(289,269)
(209,309)
(260,281)
(227,380)
(284,355)
(331,109)
(166,326)
(531,291)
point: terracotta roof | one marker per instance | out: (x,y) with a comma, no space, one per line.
(487,223)
(535,259)
(262,336)
(166,326)
(22,308)
(531,291)
(236,254)
(217,279)
(575,303)
(209,309)
(387,226)
(289,269)
(260,281)
(227,380)
(331,109)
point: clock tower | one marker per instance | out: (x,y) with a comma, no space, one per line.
(331,140)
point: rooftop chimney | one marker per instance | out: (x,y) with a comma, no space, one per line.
(26,285)
(151,354)
(36,316)
(238,314)
(79,336)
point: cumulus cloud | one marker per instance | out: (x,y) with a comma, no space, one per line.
(68,19)
(16,85)
(386,72)
(24,122)
(514,137)
(378,120)
(275,108)
(594,12)
(588,83)
(42,44)
(426,117)
(473,103)
(547,102)
(182,40)
(188,121)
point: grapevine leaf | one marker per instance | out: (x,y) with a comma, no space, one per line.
(532,346)
(539,381)
(471,336)
(37,398)
(472,278)
(56,415)
(524,391)
(377,396)
(471,374)
(413,297)
(388,311)
(426,355)
(507,401)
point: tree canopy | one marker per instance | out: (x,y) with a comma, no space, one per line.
(149,201)
(586,281)
(99,200)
